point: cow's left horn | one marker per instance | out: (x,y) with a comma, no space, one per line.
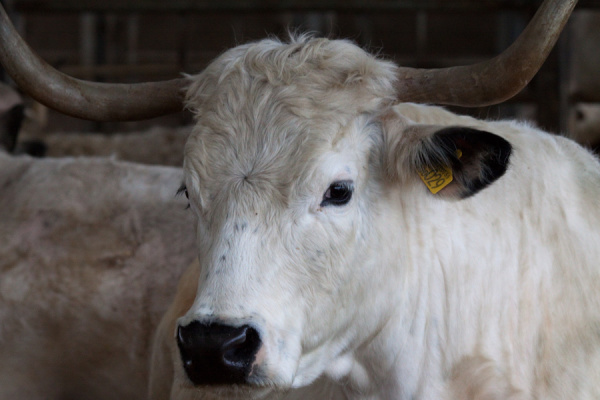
(495,80)
(84,99)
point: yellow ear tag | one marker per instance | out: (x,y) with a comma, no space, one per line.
(437,178)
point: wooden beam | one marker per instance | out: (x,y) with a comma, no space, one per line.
(273,5)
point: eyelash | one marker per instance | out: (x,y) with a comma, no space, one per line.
(183,190)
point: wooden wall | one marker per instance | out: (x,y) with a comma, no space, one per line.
(137,40)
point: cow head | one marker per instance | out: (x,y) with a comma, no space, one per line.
(282,174)
(291,169)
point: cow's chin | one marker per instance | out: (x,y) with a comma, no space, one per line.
(261,384)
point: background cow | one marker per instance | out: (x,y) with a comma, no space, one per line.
(155,146)
(91,252)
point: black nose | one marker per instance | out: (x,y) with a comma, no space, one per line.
(215,354)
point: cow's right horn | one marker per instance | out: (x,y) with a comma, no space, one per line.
(495,80)
(84,99)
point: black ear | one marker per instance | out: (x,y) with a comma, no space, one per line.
(470,159)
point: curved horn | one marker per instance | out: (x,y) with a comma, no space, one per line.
(496,80)
(84,99)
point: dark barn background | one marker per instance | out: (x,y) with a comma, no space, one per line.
(139,40)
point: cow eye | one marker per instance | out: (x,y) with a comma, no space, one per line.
(338,193)
(183,190)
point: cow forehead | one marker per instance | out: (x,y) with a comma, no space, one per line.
(267,111)
(253,175)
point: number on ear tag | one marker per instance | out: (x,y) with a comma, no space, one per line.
(437,178)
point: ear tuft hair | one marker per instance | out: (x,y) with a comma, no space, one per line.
(476,158)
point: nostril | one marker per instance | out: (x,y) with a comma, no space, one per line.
(216,353)
(241,349)
(181,336)
(184,340)
(187,335)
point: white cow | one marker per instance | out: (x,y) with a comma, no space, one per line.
(327,265)
(327,269)
(90,253)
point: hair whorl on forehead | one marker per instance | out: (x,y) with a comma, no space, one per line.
(314,65)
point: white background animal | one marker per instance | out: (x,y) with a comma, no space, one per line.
(155,146)
(90,253)
(91,250)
